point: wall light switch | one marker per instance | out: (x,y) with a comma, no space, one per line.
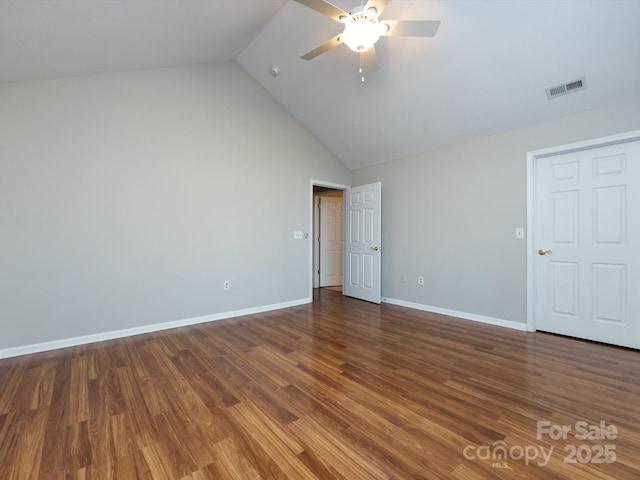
(298,235)
(519,233)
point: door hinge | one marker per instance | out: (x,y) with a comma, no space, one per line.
(318,238)
(318,271)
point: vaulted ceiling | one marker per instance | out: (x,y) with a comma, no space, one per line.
(485,71)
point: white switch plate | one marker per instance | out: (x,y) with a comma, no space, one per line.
(298,235)
(519,233)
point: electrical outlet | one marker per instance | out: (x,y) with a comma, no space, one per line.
(420,280)
(298,235)
(226,285)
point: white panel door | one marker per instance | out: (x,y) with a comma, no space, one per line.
(331,241)
(587,244)
(362,244)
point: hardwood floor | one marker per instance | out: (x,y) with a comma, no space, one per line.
(336,389)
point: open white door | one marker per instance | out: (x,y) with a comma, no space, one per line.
(363,211)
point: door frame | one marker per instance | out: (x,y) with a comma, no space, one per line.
(532,158)
(319,183)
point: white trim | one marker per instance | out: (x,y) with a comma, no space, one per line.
(454,313)
(318,183)
(531,229)
(532,157)
(128,332)
(336,186)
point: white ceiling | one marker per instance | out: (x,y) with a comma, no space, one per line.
(485,71)
(54,38)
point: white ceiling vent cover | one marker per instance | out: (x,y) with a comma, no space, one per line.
(569,87)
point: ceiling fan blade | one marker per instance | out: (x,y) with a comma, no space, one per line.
(369,60)
(325,8)
(379,5)
(328,45)
(411,28)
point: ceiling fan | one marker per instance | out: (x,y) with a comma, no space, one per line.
(363,28)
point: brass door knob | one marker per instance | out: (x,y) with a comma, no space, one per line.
(375,249)
(543,252)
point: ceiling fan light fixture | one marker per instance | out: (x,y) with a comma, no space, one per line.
(363,28)
(361,33)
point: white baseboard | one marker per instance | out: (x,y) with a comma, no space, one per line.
(454,313)
(128,332)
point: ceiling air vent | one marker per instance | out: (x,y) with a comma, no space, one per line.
(565,88)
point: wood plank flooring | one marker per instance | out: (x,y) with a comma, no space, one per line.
(339,389)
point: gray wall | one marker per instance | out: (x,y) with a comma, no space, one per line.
(451,215)
(126,200)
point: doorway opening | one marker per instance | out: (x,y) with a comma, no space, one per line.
(331,194)
(328,222)
(361,224)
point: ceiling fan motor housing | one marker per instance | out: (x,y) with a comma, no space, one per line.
(362,29)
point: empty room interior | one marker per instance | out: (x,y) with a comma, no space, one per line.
(294,239)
